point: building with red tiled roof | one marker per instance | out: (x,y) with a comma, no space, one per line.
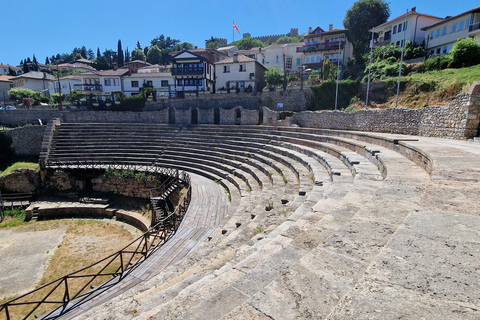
(33,80)
(5,69)
(394,31)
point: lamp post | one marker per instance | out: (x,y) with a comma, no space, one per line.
(301,68)
(401,60)
(369,69)
(59,91)
(338,74)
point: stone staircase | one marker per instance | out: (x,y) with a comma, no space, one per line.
(322,223)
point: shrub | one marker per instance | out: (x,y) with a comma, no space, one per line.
(322,96)
(273,77)
(465,53)
(20,94)
(438,62)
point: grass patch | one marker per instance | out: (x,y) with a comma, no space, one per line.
(13,218)
(21,165)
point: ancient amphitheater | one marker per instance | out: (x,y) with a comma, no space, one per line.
(321,223)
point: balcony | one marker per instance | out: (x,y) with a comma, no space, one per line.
(88,87)
(311,47)
(187,71)
(473,27)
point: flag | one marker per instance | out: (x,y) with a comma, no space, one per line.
(235,28)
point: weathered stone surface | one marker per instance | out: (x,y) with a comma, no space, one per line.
(21,181)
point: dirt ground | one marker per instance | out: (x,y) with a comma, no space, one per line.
(38,252)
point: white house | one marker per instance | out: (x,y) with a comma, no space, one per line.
(241,72)
(161,82)
(256,53)
(334,45)
(5,85)
(393,31)
(274,55)
(104,81)
(5,69)
(67,84)
(441,36)
(33,80)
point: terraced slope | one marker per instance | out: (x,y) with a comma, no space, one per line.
(322,223)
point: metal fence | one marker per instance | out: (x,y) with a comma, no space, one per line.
(79,286)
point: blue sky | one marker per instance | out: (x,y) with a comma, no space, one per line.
(49,27)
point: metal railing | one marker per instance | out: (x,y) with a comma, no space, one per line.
(77,287)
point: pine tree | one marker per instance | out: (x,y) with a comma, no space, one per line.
(138,45)
(47,61)
(98,53)
(35,64)
(127,55)
(25,66)
(120,58)
(83,52)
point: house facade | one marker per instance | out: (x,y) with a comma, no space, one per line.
(5,69)
(5,85)
(393,32)
(240,72)
(67,84)
(161,82)
(334,45)
(441,36)
(33,80)
(104,81)
(192,72)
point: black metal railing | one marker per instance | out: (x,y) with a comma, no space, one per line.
(474,27)
(88,87)
(187,71)
(76,287)
(323,46)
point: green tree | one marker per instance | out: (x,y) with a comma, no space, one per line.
(47,61)
(212,43)
(465,53)
(83,52)
(120,58)
(154,55)
(127,55)
(138,45)
(35,63)
(25,66)
(361,17)
(247,43)
(138,54)
(273,77)
(98,53)
(328,70)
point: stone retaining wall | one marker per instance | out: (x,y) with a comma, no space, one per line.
(130,188)
(459,120)
(27,141)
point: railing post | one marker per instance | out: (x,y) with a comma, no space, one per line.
(67,294)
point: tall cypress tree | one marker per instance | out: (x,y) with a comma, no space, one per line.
(35,63)
(98,53)
(47,61)
(120,58)
(25,66)
(127,55)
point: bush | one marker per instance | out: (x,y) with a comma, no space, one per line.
(322,96)
(438,62)
(465,53)
(273,77)
(20,94)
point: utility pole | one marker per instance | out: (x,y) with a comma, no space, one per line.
(401,60)
(59,91)
(338,74)
(369,69)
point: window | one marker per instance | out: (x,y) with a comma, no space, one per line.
(317,59)
(469,22)
(134,84)
(107,82)
(438,33)
(438,51)
(398,43)
(149,83)
(307,60)
(462,24)
(226,69)
(401,44)
(200,82)
(431,35)
(266,60)
(444,31)
(444,50)
(276,60)
(399,28)
(288,63)
(298,61)
(243,68)
(394,29)
(164,83)
(252,76)
(405,24)
(179,82)
(454,27)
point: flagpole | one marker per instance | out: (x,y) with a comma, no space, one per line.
(233,31)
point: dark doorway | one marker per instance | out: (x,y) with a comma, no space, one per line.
(216,116)
(238,116)
(260,116)
(171,115)
(194,114)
